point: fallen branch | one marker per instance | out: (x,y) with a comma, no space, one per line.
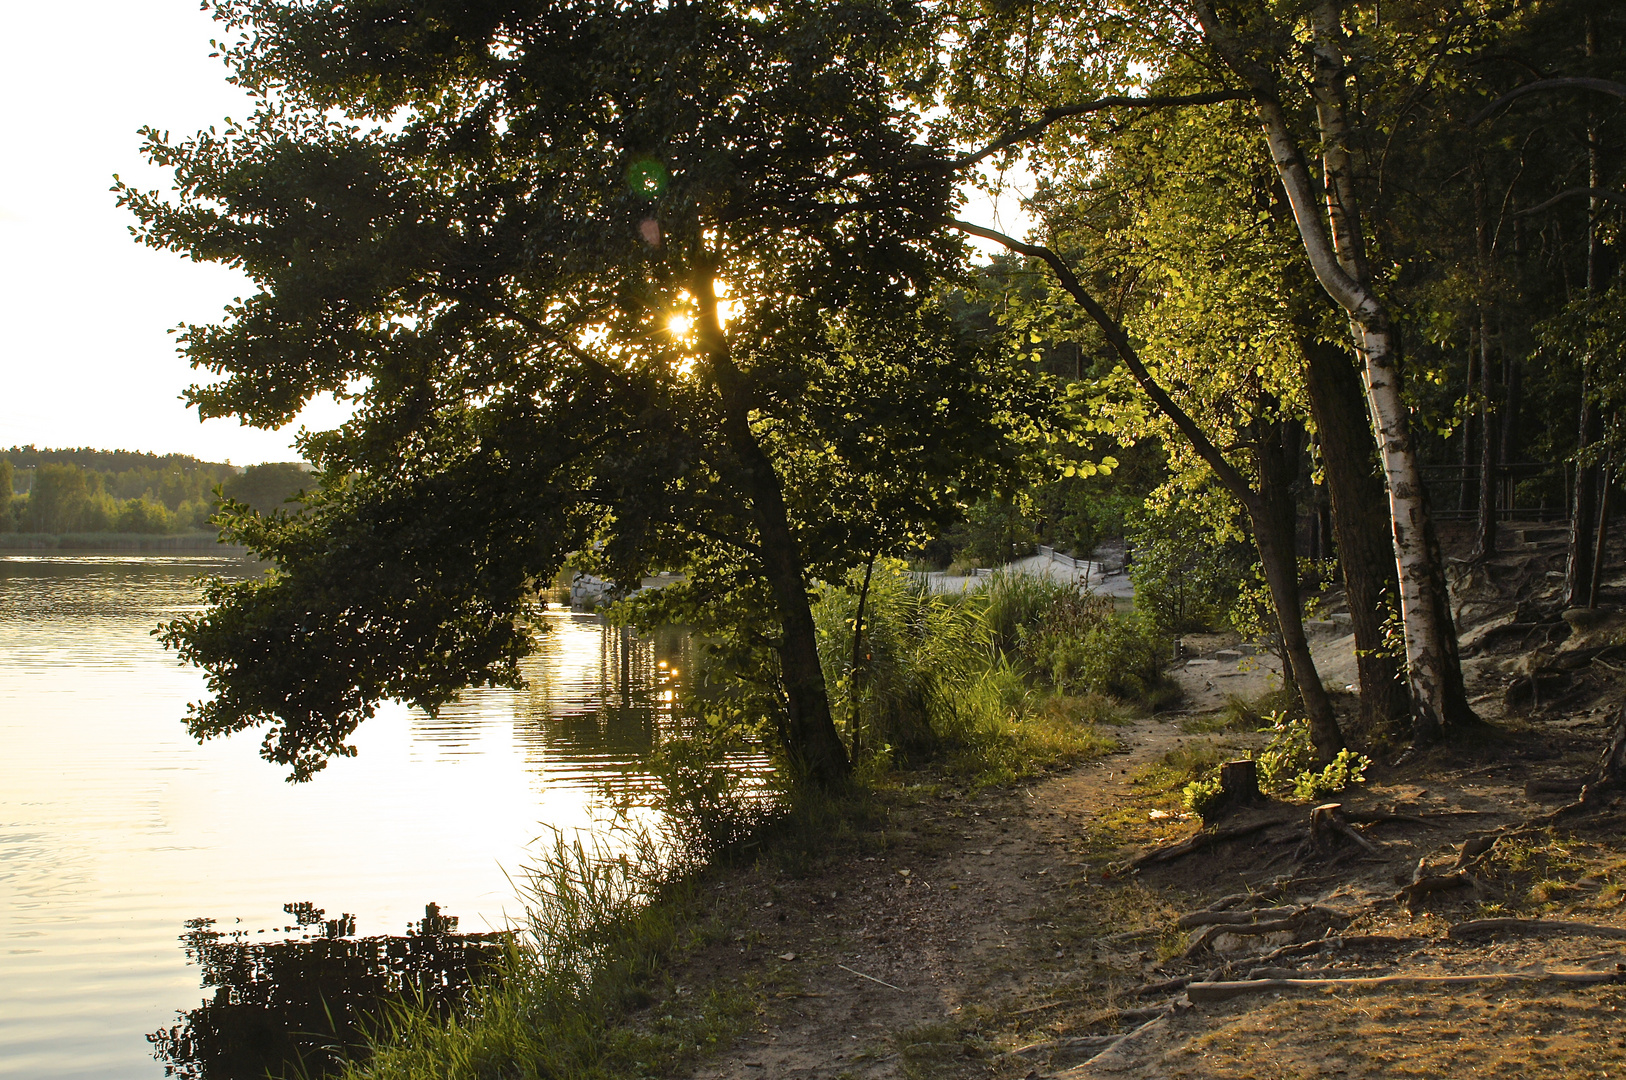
(871,978)
(1226,903)
(1534,926)
(1076,1042)
(1553,787)
(1385,819)
(1224,991)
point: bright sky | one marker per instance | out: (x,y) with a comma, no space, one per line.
(86,357)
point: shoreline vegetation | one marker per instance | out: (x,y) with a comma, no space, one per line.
(683,963)
(101,541)
(82,498)
(947,698)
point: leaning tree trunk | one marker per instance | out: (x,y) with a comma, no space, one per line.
(812,742)
(1274,551)
(1361,519)
(1336,250)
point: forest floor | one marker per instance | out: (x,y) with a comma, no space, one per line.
(1024,932)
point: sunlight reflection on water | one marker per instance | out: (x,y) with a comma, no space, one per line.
(115,827)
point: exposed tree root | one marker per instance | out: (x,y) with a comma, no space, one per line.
(1534,926)
(1224,991)
(1204,838)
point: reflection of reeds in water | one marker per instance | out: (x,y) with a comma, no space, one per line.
(600,926)
(308,1004)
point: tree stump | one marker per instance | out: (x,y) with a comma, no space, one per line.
(1329,830)
(1239,780)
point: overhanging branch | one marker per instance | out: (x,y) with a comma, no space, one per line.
(1066,112)
(1224,471)
(1566,82)
(1597,193)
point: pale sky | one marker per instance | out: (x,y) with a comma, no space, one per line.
(86,357)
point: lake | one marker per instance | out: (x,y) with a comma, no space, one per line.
(121,837)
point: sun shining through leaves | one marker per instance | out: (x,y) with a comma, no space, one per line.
(681,324)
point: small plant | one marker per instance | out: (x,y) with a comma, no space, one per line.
(1345,770)
(1286,754)
(1287,763)
(1201,796)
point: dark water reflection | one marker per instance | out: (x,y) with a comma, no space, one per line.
(304,1005)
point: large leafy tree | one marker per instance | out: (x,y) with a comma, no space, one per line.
(645,279)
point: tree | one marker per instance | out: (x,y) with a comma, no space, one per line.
(7,493)
(58,499)
(268,487)
(1071,65)
(650,281)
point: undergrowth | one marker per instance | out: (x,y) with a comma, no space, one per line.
(952,679)
(584,992)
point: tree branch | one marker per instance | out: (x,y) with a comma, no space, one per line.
(1597,193)
(1224,471)
(1566,82)
(1066,112)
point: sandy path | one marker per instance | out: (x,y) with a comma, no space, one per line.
(949,918)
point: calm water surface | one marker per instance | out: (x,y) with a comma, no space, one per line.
(116,828)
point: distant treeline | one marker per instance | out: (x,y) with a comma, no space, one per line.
(86,490)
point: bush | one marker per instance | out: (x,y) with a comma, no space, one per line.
(919,654)
(1185,579)
(930,681)
(144,516)
(1286,763)
(1083,647)
(1119,657)
(1201,796)
(1015,606)
(1345,770)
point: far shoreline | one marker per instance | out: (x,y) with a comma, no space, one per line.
(92,542)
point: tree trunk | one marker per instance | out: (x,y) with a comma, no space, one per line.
(1584,506)
(855,678)
(1336,250)
(1272,514)
(1487,447)
(1360,516)
(1583,511)
(1276,549)
(1468,397)
(1600,549)
(812,742)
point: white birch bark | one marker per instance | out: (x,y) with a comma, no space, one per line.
(1337,257)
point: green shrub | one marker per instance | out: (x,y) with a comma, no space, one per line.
(1201,796)
(1015,606)
(1286,764)
(1185,579)
(1345,770)
(920,654)
(930,680)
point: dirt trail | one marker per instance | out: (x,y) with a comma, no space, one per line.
(951,918)
(993,937)
(999,936)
